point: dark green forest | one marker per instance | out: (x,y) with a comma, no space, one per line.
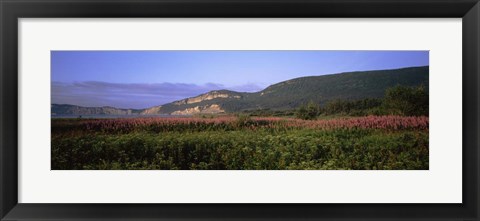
(398,100)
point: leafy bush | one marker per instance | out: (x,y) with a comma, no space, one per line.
(243,120)
(308,112)
(406,101)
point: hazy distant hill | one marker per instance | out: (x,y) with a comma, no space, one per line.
(66,109)
(284,95)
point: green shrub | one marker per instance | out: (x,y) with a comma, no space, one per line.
(308,112)
(407,101)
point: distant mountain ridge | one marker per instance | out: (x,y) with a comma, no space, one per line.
(281,96)
(67,109)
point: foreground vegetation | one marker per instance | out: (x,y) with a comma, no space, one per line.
(241,143)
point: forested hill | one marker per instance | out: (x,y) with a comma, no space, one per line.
(295,92)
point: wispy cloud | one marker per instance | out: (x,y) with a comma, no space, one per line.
(95,93)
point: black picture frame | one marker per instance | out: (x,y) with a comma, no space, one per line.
(11,10)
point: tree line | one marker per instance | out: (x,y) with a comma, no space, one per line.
(398,100)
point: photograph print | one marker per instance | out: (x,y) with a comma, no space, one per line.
(240,110)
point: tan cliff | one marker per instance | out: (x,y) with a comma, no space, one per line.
(204,97)
(152,110)
(207,109)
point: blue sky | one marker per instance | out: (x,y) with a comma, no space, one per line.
(140,79)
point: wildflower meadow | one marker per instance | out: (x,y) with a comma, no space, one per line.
(237,142)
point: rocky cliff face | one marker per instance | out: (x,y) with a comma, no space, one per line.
(208,96)
(152,110)
(207,109)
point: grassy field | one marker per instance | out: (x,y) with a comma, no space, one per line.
(241,143)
